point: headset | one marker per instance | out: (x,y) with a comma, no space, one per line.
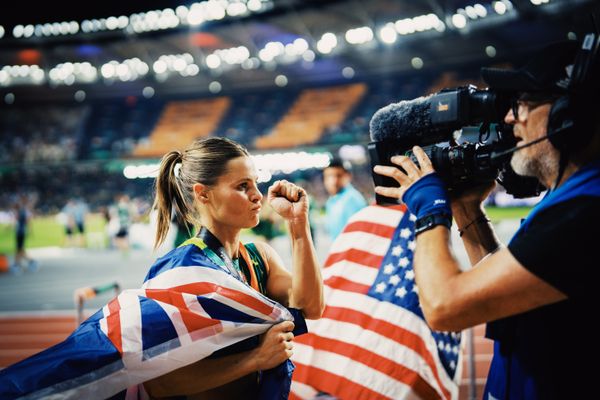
(574,111)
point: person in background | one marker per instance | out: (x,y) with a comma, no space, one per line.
(74,213)
(123,213)
(22,218)
(344,200)
(81,211)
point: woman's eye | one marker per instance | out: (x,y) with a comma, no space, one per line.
(243,186)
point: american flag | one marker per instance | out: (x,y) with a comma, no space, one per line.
(372,341)
(187,309)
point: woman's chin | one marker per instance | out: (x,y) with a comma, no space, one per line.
(253,223)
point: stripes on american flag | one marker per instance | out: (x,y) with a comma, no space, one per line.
(180,315)
(372,341)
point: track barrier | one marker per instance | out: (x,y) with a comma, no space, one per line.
(82,294)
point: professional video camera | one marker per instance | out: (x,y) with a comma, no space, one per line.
(434,123)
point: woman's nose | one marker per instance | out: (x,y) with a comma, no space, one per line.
(256,196)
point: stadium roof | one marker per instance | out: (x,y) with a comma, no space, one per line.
(260,43)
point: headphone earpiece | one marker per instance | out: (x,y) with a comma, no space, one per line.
(585,64)
(570,122)
(560,123)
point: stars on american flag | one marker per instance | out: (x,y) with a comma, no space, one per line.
(405,233)
(380,287)
(403,262)
(388,268)
(395,283)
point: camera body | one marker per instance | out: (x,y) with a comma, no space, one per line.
(432,123)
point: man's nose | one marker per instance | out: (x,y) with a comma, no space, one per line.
(509,118)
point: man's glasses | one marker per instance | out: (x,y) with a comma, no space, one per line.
(522,106)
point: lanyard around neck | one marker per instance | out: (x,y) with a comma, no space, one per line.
(216,252)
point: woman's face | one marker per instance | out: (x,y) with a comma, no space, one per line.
(235,200)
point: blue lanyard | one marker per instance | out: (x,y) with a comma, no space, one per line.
(217,254)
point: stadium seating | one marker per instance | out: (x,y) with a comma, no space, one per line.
(313,112)
(113,128)
(180,123)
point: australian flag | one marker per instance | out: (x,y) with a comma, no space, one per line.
(187,309)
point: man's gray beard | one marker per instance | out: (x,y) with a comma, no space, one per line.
(541,167)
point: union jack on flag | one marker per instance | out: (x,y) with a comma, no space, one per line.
(372,341)
(187,309)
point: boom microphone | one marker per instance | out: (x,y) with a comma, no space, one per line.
(432,119)
(406,119)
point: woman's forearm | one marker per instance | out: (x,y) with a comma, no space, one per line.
(307,284)
(202,375)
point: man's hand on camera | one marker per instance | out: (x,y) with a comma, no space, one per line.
(472,197)
(420,189)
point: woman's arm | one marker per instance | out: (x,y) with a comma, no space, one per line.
(307,283)
(304,289)
(276,347)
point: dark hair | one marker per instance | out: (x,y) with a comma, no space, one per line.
(202,162)
(337,162)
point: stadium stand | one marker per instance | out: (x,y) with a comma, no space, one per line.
(40,133)
(105,133)
(253,114)
(114,127)
(180,123)
(313,112)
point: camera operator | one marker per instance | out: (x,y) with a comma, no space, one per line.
(536,294)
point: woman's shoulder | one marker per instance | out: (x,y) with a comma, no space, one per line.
(261,248)
(185,255)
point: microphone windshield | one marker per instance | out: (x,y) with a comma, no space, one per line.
(401,120)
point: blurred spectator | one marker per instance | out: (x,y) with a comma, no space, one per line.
(74,213)
(40,133)
(22,217)
(123,213)
(344,199)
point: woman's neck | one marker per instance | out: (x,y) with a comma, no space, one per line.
(229,238)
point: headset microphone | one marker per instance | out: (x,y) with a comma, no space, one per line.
(502,155)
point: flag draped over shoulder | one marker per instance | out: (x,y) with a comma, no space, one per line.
(372,341)
(187,309)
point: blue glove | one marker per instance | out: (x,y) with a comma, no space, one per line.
(427,196)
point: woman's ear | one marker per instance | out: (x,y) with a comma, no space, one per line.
(200,192)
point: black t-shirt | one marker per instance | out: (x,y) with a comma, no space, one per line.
(554,348)
(562,245)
